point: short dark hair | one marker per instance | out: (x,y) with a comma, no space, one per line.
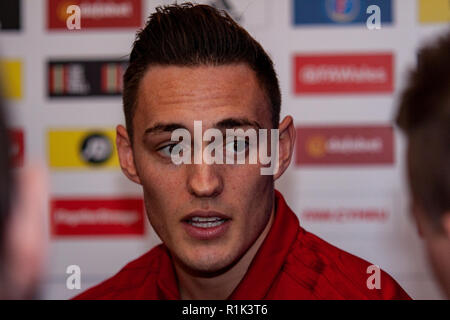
(424,116)
(192,35)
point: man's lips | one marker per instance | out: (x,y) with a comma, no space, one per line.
(206,225)
(204,215)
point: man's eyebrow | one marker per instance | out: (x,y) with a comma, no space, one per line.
(230,123)
(223,124)
(164,127)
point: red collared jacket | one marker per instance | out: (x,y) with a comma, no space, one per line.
(290,264)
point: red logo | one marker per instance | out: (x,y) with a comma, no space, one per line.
(96,14)
(17,148)
(96,217)
(362,73)
(345,215)
(342,145)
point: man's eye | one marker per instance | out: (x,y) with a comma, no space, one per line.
(237,146)
(167,150)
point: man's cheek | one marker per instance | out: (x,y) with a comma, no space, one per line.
(237,172)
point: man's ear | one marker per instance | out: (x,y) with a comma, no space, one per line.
(446,223)
(285,146)
(125,152)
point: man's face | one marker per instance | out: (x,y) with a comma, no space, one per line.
(437,244)
(177,197)
(437,241)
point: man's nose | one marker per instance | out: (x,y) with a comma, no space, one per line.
(204,180)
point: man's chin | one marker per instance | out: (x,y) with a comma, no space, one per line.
(206,266)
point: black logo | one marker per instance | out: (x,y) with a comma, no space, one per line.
(96,149)
(10,15)
(85,78)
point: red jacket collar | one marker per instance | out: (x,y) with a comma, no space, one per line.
(271,255)
(264,267)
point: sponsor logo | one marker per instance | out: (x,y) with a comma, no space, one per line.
(344,145)
(85,78)
(11,78)
(434,11)
(10,14)
(363,73)
(96,13)
(17,147)
(82,149)
(348,213)
(344,215)
(342,10)
(90,217)
(339,11)
(96,148)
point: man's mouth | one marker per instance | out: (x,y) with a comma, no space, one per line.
(206,225)
(209,222)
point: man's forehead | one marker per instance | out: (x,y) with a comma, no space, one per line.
(207,93)
(175,84)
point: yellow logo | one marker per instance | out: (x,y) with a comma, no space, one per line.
(431,11)
(11,78)
(70,149)
(316,146)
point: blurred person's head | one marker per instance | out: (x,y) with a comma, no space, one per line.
(22,238)
(195,63)
(424,116)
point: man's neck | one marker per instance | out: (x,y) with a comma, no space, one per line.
(220,287)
